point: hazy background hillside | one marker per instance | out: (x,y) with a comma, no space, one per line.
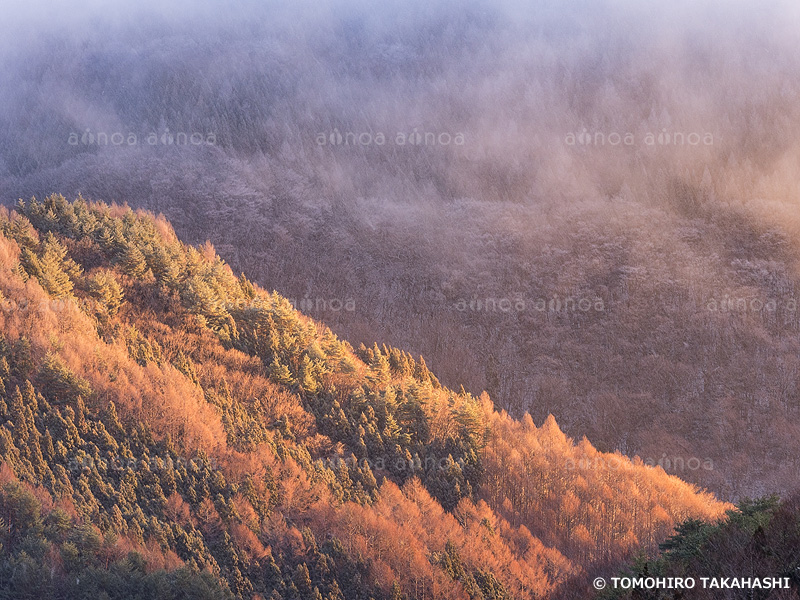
(684,251)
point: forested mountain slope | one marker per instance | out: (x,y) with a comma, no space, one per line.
(639,159)
(758,541)
(171,430)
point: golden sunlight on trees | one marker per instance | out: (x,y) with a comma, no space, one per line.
(165,420)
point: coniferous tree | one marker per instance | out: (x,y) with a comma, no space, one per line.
(133,261)
(105,288)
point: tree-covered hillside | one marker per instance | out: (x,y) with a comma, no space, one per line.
(759,540)
(171,430)
(636,165)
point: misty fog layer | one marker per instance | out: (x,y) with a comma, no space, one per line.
(588,209)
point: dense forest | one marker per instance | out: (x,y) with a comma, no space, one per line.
(758,540)
(171,430)
(423,300)
(587,209)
